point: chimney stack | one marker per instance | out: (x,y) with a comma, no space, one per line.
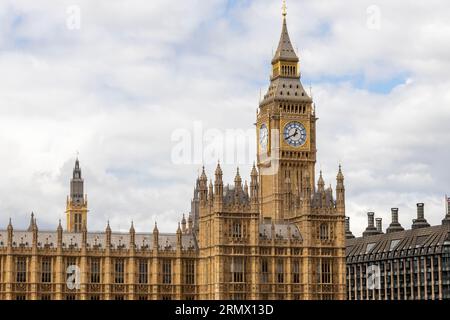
(395,226)
(447,206)
(379,225)
(420,222)
(370,230)
(348,233)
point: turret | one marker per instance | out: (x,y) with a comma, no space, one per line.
(59,232)
(155,237)
(237,182)
(32,221)
(179,237)
(210,192)
(203,187)
(35,234)
(254,188)
(321,183)
(183,224)
(10,233)
(340,192)
(108,236)
(132,236)
(190,224)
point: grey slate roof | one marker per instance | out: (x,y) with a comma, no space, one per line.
(97,240)
(285,50)
(403,243)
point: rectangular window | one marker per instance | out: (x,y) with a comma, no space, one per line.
(237,269)
(143,271)
(95,297)
(119,266)
(264,270)
(237,230)
(77,222)
(296,271)
(46,297)
(46,270)
(280,271)
(21,269)
(167,271)
(189,271)
(326,272)
(95,270)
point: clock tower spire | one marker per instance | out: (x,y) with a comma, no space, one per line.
(286,125)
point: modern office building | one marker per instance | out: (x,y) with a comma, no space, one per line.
(400,264)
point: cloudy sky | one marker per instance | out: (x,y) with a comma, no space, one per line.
(120,81)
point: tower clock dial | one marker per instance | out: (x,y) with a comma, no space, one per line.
(263,137)
(295,134)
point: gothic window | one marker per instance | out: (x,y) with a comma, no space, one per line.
(264,270)
(324,233)
(167,271)
(296,271)
(46,270)
(280,271)
(119,266)
(77,222)
(143,271)
(95,270)
(237,230)
(21,269)
(325,272)
(237,269)
(189,272)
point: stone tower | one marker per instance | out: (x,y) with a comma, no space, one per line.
(286,130)
(76,205)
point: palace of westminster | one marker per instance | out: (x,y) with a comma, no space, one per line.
(280,237)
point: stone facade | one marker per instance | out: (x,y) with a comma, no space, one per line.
(278,237)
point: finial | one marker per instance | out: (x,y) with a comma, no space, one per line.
(284,9)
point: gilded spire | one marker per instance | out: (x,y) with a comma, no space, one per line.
(284,9)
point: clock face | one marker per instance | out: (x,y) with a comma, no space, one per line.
(263,137)
(295,134)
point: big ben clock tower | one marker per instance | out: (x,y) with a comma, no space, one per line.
(286,134)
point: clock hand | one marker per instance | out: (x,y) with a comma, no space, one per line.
(293,135)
